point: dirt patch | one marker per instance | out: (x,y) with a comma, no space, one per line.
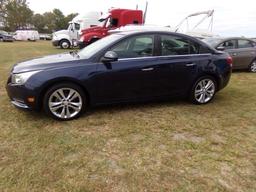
(188,137)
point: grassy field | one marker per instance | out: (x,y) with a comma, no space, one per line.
(164,146)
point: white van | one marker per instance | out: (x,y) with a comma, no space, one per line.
(26,35)
(69,37)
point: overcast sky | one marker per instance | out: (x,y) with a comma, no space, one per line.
(231,18)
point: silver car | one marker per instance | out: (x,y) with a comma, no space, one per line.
(242,51)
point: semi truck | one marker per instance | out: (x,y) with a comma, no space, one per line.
(115,18)
(69,37)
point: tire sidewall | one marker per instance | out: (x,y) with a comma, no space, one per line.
(59,86)
(192,91)
(64,41)
(250,66)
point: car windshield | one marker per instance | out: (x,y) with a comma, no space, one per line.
(3,33)
(211,41)
(93,48)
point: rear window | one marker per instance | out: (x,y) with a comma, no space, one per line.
(243,43)
(173,45)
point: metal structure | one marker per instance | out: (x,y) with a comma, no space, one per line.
(208,14)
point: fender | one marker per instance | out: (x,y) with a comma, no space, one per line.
(59,37)
(89,36)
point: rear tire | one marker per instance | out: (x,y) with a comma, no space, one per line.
(203,90)
(65,101)
(64,44)
(252,67)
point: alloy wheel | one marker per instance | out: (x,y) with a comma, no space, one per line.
(204,91)
(253,67)
(65,103)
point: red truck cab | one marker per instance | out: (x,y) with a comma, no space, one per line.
(116,18)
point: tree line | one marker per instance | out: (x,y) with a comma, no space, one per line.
(16,14)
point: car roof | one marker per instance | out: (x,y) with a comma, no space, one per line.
(138,32)
(214,41)
(141,32)
(228,38)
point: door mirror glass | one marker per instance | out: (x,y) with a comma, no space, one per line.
(220,48)
(110,56)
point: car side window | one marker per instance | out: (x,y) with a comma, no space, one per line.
(172,45)
(140,46)
(243,43)
(230,44)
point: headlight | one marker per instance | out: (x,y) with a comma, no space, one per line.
(81,39)
(21,78)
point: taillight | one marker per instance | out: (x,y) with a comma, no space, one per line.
(230,61)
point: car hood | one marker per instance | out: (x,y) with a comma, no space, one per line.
(48,62)
(61,32)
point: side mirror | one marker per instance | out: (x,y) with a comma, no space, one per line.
(109,57)
(220,48)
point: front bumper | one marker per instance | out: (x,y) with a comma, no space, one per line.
(19,97)
(8,40)
(55,43)
(19,104)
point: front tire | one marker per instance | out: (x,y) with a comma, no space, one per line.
(203,91)
(64,101)
(64,44)
(252,67)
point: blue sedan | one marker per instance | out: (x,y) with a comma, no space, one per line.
(123,67)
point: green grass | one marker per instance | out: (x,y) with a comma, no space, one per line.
(165,146)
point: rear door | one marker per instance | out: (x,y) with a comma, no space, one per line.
(183,57)
(246,52)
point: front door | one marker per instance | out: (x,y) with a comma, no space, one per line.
(73,32)
(138,74)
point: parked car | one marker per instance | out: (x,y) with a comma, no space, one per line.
(123,67)
(26,35)
(242,51)
(46,37)
(6,37)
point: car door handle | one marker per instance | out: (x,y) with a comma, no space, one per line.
(234,54)
(147,69)
(190,64)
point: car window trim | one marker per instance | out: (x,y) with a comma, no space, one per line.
(166,56)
